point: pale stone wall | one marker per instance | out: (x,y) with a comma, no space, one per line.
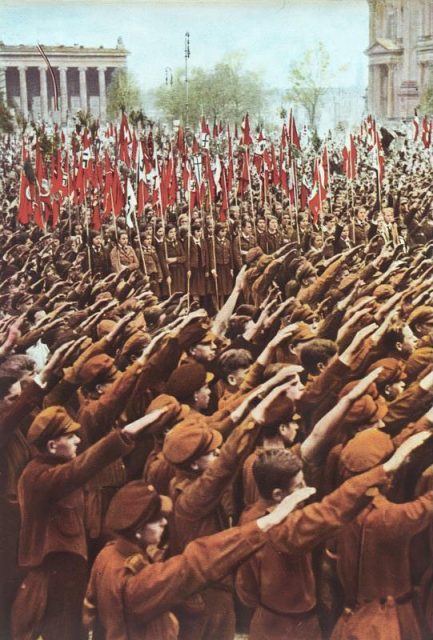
(82,77)
(400,56)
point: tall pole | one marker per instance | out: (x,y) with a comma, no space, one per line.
(187,54)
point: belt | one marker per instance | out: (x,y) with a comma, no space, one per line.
(288,614)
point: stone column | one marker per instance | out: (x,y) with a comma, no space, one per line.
(390,92)
(63,93)
(83,88)
(23,91)
(102,94)
(3,90)
(371,89)
(43,93)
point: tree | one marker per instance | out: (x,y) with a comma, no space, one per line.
(123,94)
(426,105)
(6,119)
(225,93)
(308,81)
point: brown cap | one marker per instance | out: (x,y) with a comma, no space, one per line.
(104,327)
(176,412)
(302,334)
(393,370)
(366,450)
(135,504)
(303,312)
(137,341)
(186,379)
(51,423)
(98,369)
(367,408)
(383,291)
(252,255)
(421,314)
(187,442)
(418,361)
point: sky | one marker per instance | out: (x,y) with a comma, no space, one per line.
(269,33)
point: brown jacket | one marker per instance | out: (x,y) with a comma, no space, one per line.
(123,257)
(373,564)
(131,596)
(51,500)
(280,576)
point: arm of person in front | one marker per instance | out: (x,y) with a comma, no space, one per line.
(203,495)
(312,448)
(305,528)
(159,587)
(55,481)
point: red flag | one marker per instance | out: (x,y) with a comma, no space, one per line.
(245,127)
(125,140)
(293,132)
(426,132)
(244,177)
(350,157)
(25,208)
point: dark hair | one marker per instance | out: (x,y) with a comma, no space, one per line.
(275,469)
(6,381)
(315,351)
(234,359)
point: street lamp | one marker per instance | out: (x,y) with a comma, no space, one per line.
(168,76)
(187,55)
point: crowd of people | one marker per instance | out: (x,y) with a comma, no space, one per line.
(211,427)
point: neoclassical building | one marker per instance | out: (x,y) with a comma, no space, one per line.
(400,56)
(83,75)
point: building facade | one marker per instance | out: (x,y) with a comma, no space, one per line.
(82,76)
(400,56)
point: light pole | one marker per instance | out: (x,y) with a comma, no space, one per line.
(187,54)
(168,76)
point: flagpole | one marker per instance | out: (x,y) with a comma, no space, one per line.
(295,176)
(251,194)
(89,253)
(114,215)
(214,249)
(137,228)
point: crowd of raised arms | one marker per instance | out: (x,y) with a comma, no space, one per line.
(216,384)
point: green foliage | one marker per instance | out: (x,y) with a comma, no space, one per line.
(48,143)
(225,93)
(308,80)
(316,141)
(123,94)
(426,105)
(6,119)
(139,117)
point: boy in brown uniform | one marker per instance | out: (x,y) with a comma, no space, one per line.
(131,592)
(278,582)
(52,540)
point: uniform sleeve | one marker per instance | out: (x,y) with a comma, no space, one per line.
(407,407)
(307,527)
(202,496)
(161,586)
(99,416)
(317,290)
(114,259)
(408,519)
(56,481)
(248,583)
